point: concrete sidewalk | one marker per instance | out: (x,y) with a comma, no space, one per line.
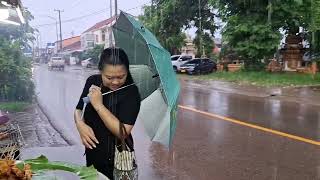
(36,129)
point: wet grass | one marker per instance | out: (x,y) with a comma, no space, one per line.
(13,106)
(262,78)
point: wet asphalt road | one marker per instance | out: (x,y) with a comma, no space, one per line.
(276,113)
(207,147)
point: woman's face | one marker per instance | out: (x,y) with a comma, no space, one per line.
(114,76)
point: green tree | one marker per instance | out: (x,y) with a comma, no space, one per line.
(15,69)
(252,41)
(94,54)
(315,25)
(253,27)
(15,73)
(206,45)
(172,38)
(24,33)
(168,19)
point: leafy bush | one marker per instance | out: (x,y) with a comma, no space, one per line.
(15,73)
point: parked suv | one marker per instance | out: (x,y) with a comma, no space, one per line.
(178,60)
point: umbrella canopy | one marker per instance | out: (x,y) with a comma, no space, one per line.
(148,58)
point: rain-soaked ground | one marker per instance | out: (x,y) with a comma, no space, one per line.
(224,132)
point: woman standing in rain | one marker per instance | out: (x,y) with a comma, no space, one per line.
(100,130)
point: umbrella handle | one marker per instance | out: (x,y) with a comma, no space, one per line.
(86,100)
(83,110)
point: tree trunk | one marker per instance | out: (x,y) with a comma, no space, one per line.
(317,42)
(269,11)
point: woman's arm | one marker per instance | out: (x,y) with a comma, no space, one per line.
(77,115)
(86,133)
(110,121)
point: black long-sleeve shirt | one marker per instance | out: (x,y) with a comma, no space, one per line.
(124,104)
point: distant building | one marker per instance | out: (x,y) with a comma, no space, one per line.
(100,33)
(40,52)
(217,46)
(50,48)
(71,48)
(68,44)
(189,48)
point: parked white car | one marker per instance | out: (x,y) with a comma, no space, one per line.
(86,63)
(178,60)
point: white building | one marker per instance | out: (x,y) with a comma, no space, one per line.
(189,48)
(100,33)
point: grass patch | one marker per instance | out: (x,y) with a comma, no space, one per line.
(262,78)
(13,106)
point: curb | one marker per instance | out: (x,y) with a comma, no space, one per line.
(302,86)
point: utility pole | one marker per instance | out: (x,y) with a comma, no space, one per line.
(40,40)
(152,13)
(57,31)
(33,51)
(59,12)
(152,7)
(200,24)
(111,9)
(38,45)
(116,7)
(108,29)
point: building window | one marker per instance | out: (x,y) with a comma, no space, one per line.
(90,44)
(97,38)
(103,36)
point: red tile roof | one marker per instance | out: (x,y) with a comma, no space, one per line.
(101,24)
(69,41)
(73,47)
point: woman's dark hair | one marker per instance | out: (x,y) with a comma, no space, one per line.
(115,56)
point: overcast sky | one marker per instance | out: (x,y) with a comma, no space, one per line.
(79,14)
(75,9)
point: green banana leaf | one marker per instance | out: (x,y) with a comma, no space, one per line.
(41,165)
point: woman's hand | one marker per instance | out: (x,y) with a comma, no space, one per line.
(95,96)
(87,136)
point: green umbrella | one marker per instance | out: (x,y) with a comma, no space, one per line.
(148,58)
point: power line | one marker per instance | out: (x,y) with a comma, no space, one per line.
(75,19)
(137,7)
(85,16)
(75,4)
